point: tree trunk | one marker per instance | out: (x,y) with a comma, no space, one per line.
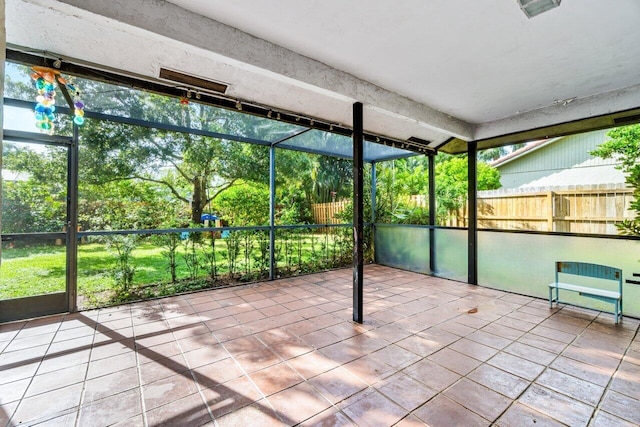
(199,200)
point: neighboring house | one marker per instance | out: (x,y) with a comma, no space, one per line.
(556,185)
(559,162)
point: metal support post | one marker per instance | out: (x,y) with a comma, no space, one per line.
(432,213)
(3,56)
(373,206)
(72,222)
(358,223)
(272,212)
(473,213)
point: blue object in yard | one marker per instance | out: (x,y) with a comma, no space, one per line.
(184,235)
(207,217)
(225,234)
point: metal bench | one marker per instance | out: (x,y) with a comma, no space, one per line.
(588,270)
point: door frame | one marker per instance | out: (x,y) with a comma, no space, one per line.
(58,302)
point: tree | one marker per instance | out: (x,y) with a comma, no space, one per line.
(492,154)
(452,183)
(331,177)
(396,181)
(399,179)
(194,168)
(624,144)
(304,178)
(36,199)
(129,205)
(244,204)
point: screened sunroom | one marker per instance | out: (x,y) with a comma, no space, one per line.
(318,214)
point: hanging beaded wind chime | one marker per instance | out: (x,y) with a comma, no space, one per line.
(44,81)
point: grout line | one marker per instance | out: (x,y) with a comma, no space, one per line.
(610,382)
(86,374)
(193,377)
(548,366)
(531,382)
(22,398)
(485,362)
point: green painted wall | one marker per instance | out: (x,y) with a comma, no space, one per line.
(564,153)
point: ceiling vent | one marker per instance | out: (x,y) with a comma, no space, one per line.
(192,81)
(423,142)
(627,120)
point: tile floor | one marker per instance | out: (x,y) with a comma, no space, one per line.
(287,353)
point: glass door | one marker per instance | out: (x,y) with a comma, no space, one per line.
(36,219)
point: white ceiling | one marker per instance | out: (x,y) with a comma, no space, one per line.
(478,60)
(433,69)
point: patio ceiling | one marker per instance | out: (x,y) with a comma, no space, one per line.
(443,72)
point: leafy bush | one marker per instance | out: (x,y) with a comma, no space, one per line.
(244,204)
(128,205)
(27,207)
(124,271)
(411,215)
(293,207)
(452,184)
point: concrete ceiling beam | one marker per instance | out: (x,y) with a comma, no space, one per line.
(564,111)
(245,51)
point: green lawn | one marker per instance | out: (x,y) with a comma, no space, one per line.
(41,269)
(32,271)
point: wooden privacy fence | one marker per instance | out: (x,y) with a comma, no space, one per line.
(325,213)
(579,209)
(587,209)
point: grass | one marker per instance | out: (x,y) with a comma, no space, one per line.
(41,269)
(32,271)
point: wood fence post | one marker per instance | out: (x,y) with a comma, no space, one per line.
(551,212)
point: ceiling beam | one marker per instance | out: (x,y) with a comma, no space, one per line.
(563,111)
(245,51)
(590,123)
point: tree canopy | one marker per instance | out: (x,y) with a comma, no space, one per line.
(135,176)
(492,154)
(403,178)
(194,169)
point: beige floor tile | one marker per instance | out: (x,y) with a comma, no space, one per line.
(443,412)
